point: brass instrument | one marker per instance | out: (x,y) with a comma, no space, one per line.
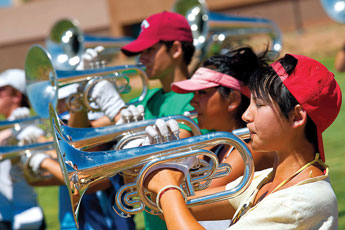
(335,9)
(17,124)
(12,151)
(216,31)
(44,80)
(82,169)
(83,138)
(66,43)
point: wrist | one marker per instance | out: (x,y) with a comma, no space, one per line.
(172,190)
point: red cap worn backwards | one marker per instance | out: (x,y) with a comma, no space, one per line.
(316,90)
(165,26)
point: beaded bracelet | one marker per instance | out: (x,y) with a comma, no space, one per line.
(167,188)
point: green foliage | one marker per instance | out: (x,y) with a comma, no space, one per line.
(334,146)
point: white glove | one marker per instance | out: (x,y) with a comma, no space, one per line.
(35,161)
(162,132)
(132,114)
(29,135)
(89,58)
(107,98)
(19,113)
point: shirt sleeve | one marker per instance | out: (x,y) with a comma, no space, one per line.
(297,207)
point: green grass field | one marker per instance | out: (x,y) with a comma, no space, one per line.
(334,141)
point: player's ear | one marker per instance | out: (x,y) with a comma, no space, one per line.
(176,50)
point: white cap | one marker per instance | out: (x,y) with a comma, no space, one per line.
(67,90)
(14,78)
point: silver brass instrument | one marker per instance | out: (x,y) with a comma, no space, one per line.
(44,80)
(17,124)
(219,31)
(66,44)
(11,152)
(335,9)
(83,138)
(81,169)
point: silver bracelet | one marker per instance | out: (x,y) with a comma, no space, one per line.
(166,188)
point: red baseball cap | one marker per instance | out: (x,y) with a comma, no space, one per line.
(164,26)
(315,89)
(205,78)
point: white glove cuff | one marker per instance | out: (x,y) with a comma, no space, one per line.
(36,160)
(112,107)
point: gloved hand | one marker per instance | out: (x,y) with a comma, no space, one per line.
(35,160)
(132,114)
(29,135)
(162,132)
(19,113)
(107,98)
(89,58)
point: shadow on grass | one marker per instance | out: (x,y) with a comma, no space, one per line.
(342,213)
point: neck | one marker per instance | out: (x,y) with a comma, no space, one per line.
(179,73)
(288,162)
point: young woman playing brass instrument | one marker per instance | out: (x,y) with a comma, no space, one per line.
(221,95)
(292,102)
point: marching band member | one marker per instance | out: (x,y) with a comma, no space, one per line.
(165,46)
(292,102)
(19,208)
(95,210)
(221,95)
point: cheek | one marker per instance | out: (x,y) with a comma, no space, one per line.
(269,134)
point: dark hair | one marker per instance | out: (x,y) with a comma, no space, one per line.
(25,101)
(187,48)
(239,63)
(267,85)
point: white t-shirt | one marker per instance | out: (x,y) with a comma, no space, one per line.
(310,204)
(18,200)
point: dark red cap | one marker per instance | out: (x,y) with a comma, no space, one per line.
(316,90)
(165,26)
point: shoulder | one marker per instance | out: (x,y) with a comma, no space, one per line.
(311,205)
(307,206)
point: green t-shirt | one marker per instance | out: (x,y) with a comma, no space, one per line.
(158,104)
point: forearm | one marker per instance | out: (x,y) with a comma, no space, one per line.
(53,167)
(221,210)
(101,122)
(176,213)
(339,63)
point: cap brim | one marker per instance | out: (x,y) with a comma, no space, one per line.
(137,46)
(320,145)
(3,83)
(191,85)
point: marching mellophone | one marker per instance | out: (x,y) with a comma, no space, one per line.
(211,29)
(44,80)
(66,43)
(82,169)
